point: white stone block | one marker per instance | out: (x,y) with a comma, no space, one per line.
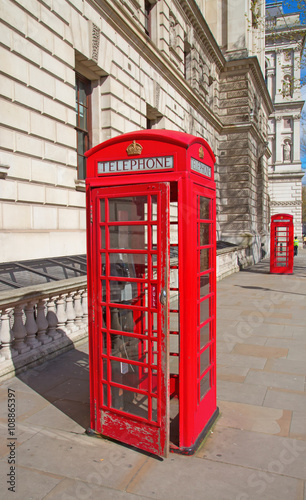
(71,117)
(68,219)
(83,219)
(56,196)
(70,76)
(55,152)
(28,97)
(42,81)
(20,166)
(30,193)
(62,9)
(55,109)
(29,145)
(26,48)
(31,6)
(65,93)
(13,66)
(40,35)
(65,134)
(53,65)
(64,51)
(42,126)
(13,15)
(68,243)
(5,36)
(77,4)
(8,190)
(7,138)
(44,217)
(17,216)
(72,158)
(6,87)
(66,176)
(76,199)
(44,172)
(51,21)
(106,56)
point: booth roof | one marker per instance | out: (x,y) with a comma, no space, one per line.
(170,136)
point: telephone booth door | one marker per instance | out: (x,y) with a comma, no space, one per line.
(281,244)
(130,290)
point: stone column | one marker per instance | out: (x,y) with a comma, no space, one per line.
(278,73)
(6,336)
(19,330)
(296,138)
(31,326)
(61,315)
(296,75)
(42,323)
(52,320)
(70,313)
(278,144)
(78,310)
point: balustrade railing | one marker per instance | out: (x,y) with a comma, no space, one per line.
(38,322)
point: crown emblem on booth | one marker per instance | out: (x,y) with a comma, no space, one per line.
(201,153)
(134,149)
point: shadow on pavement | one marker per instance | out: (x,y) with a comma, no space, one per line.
(64,382)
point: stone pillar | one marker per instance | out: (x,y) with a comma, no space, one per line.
(61,315)
(296,138)
(52,320)
(19,330)
(6,336)
(278,144)
(42,323)
(78,310)
(70,313)
(85,308)
(278,73)
(296,75)
(31,326)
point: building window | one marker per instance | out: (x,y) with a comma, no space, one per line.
(147,11)
(83,121)
(287,123)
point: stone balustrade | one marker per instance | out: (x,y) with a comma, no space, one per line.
(39,322)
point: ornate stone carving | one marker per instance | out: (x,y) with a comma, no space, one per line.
(287,86)
(295,203)
(287,151)
(95,35)
(172,32)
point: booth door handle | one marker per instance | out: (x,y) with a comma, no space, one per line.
(163,297)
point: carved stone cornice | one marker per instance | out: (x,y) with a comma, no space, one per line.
(295,203)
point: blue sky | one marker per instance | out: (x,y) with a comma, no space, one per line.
(290,6)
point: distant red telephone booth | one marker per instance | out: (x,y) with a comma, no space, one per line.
(151,205)
(281,244)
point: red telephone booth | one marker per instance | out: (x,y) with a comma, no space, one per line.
(152,289)
(281,244)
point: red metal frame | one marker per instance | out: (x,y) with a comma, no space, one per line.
(281,244)
(179,170)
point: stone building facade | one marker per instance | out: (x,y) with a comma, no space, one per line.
(75,73)
(285,38)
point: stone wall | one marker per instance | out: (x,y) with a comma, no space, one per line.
(171,74)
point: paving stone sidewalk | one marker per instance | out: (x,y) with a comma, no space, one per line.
(256,449)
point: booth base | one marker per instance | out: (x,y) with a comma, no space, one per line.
(192,450)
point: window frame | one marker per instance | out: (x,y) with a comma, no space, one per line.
(86,132)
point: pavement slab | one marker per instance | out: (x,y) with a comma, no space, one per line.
(256,448)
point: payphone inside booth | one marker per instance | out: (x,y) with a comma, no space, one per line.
(281,244)
(152,289)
